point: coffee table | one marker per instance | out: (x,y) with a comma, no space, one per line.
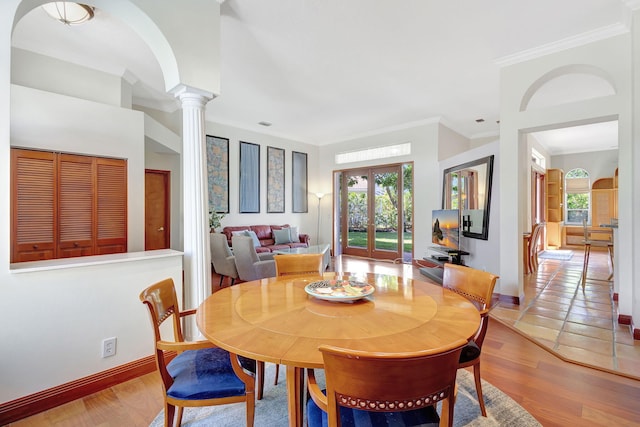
(313,249)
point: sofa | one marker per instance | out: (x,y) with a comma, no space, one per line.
(269,238)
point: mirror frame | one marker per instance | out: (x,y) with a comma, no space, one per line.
(488,161)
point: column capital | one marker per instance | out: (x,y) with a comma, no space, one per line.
(183,92)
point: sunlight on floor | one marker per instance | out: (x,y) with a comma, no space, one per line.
(579,325)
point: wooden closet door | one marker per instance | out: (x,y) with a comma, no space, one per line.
(34,205)
(76,205)
(111,224)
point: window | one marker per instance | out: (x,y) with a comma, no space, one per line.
(66,205)
(577,196)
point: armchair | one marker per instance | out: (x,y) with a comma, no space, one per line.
(249,265)
(222,258)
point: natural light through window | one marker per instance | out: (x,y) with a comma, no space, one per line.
(374,153)
(577,196)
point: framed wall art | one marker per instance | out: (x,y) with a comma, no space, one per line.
(249,187)
(218,173)
(275,180)
(299,197)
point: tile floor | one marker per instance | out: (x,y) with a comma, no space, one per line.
(579,325)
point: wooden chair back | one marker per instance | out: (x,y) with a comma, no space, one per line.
(532,247)
(162,302)
(369,380)
(299,264)
(475,285)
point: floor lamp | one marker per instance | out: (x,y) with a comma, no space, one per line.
(319,196)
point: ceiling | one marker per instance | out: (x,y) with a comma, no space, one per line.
(323,71)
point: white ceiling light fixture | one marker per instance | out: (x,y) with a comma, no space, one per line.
(69,13)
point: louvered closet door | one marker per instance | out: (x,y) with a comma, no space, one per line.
(76,205)
(112,206)
(33,201)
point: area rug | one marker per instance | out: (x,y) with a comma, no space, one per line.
(271,411)
(559,254)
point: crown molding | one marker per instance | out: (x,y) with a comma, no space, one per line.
(564,44)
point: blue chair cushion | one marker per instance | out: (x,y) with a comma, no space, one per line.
(203,374)
(470,352)
(423,417)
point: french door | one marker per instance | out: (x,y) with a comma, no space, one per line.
(372,206)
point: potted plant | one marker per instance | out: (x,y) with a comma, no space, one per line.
(214,220)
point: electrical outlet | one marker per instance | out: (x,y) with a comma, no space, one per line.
(109,347)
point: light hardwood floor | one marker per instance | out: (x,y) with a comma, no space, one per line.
(557,393)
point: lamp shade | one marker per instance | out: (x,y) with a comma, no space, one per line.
(69,13)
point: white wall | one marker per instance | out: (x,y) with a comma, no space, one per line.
(424,139)
(613,56)
(450,143)
(599,164)
(48,121)
(53,75)
(56,318)
(483,253)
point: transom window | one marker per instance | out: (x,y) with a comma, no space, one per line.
(577,196)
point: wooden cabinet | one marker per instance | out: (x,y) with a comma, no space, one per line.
(34,204)
(572,235)
(604,203)
(555,207)
(66,205)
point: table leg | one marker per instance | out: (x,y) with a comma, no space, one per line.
(295,388)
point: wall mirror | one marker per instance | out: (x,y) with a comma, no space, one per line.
(467,187)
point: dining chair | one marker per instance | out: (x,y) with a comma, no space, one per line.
(369,388)
(291,265)
(222,258)
(589,242)
(532,247)
(201,374)
(299,264)
(477,286)
(250,266)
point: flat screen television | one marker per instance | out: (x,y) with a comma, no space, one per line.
(445,228)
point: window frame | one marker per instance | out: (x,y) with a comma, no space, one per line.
(568,191)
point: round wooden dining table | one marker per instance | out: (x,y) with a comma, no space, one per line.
(275,320)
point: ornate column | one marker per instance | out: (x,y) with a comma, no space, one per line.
(197,256)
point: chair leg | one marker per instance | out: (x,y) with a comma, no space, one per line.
(179,418)
(251,410)
(476,375)
(259,380)
(610,249)
(275,381)
(169,414)
(585,264)
(446,410)
(221,279)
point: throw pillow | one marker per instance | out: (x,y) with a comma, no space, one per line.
(282,236)
(295,237)
(252,234)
